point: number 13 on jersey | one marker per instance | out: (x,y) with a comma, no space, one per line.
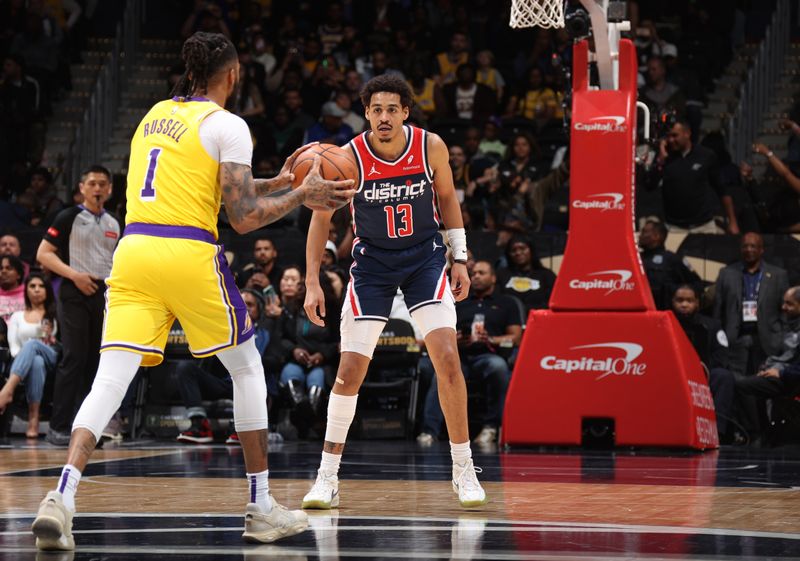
(405,220)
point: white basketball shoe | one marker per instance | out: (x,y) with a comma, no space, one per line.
(324,494)
(53,524)
(466,485)
(278,523)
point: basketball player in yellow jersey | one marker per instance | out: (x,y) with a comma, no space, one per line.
(187,153)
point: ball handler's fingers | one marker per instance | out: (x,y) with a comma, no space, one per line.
(315,166)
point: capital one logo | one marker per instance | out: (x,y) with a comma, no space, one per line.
(601,202)
(613,280)
(615,358)
(604,124)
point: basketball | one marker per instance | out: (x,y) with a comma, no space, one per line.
(336,164)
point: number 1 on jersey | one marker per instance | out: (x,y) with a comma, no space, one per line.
(406,219)
(148,192)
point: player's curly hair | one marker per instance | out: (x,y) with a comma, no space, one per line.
(391,83)
(204,54)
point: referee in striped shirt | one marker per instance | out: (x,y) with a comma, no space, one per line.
(79,246)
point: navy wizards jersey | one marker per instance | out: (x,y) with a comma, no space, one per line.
(395,206)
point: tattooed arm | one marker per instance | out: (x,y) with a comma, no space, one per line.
(285,177)
(248,210)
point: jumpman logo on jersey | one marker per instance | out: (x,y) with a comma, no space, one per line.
(373,171)
(436,245)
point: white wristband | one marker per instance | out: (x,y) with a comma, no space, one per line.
(458,243)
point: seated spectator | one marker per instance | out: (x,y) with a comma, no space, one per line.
(488,326)
(264,264)
(428,97)
(468,100)
(32,342)
(12,290)
(711,344)
(664,269)
(351,119)
(520,168)
(491,146)
(331,128)
(536,102)
(286,134)
(689,181)
(9,245)
(778,375)
(449,61)
(47,201)
(309,350)
(488,75)
(660,94)
(525,278)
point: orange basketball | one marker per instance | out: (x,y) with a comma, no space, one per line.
(336,164)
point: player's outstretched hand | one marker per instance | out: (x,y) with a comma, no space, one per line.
(459,281)
(315,304)
(285,176)
(322,194)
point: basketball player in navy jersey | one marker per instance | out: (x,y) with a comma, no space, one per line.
(404,183)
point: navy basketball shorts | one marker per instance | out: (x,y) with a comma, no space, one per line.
(376,274)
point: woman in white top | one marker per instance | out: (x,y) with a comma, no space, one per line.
(31,339)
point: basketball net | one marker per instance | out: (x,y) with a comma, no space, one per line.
(541,13)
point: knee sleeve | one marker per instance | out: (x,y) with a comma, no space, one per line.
(249,386)
(341,410)
(114,374)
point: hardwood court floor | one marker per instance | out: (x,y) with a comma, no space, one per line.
(157,501)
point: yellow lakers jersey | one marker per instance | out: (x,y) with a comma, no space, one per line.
(171,178)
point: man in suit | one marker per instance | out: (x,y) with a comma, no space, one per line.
(747,301)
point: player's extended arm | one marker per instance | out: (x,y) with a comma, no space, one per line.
(248,211)
(439,160)
(315,246)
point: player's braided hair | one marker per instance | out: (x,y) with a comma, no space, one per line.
(205,54)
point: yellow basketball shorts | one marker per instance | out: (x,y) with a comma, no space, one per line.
(165,272)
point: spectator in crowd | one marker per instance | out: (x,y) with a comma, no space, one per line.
(428,97)
(47,202)
(12,290)
(10,245)
(449,61)
(526,278)
(309,350)
(466,99)
(780,168)
(330,129)
(689,181)
(488,75)
(286,135)
(329,255)
(331,31)
(772,378)
(536,102)
(265,257)
(32,342)
(39,46)
(489,326)
(491,146)
(79,247)
(660,94)
(351,119)
(747,301)
(664,269)
(711,344)
(293,100)
(207,16)
(732,182)
(520,168)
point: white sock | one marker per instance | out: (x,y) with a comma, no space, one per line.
(259,490)
(330,463)
(68,485)
(461,453)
